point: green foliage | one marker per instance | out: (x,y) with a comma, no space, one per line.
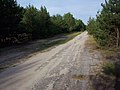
(92,26)
(99,34)
(70,21)
(18,24)
(29,19)
(106,27)
(10,16)
(109,68)
(79,25)
(36,21)
(58,25)
(66,23)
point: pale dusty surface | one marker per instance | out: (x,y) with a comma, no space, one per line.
(65,67)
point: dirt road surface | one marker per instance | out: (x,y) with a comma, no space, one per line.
(65,67)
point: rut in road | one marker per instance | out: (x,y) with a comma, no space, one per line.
(66,67)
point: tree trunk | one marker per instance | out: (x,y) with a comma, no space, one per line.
(117,70)
(118,37)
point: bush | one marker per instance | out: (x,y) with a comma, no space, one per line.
(109,68)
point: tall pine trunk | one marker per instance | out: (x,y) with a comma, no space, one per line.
(117,37)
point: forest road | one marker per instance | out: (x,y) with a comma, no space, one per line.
(65,67)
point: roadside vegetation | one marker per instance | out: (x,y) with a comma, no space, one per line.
(105,29)
(67,38)
(19,25)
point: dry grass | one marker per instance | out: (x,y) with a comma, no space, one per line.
(91,44)
(101,80)
(80,77)
(107,52)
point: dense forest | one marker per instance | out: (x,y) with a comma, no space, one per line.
(106,27)
(19,25)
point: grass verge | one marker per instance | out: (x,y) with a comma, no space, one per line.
(109,77)
(68,38)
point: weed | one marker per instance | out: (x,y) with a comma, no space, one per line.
(109,68)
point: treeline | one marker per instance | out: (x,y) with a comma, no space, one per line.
(18,24)
(106,27)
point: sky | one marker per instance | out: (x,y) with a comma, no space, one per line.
(81,9)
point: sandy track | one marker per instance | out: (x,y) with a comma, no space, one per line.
(66,67)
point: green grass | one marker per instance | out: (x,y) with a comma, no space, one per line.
(69,37)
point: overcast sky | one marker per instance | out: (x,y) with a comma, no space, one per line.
(81,9)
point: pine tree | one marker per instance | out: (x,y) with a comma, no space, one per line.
(70,21)
(10,16)
(107,24)
(79,25)
(110,16)
(36,21)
